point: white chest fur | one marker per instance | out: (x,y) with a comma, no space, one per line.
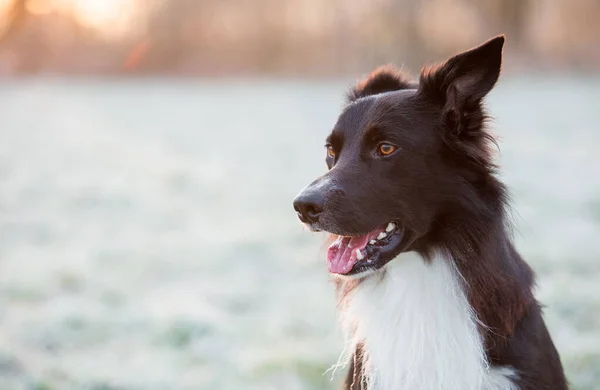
(418,330)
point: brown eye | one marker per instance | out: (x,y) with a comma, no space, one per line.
(330,151)
(386,149)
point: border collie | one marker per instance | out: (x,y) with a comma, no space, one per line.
(432,293)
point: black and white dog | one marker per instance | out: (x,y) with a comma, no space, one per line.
(432,293)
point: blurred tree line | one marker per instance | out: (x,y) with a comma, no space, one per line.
(293,37)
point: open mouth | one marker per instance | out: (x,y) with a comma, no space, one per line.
(369,252)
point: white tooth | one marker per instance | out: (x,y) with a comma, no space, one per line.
(381,235)
(372,242)
(359,254)
(390,227)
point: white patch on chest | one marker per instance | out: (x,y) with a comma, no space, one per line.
(418,330)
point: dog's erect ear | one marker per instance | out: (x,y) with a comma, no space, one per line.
(462,81)
(383,79)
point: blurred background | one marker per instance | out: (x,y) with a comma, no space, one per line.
(150,151)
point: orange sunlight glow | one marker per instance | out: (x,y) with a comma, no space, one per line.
(113,18)
(100,13)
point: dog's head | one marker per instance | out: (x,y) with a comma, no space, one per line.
(400,156)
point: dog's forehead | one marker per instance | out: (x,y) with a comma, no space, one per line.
(371,108)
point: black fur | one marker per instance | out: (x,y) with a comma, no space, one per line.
(383,79)
(441,185)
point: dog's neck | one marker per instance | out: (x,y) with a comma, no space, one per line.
(417,329)
(497,282)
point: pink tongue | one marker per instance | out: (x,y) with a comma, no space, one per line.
(341,255)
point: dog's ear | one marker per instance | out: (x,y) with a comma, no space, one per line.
(383,79)
(462,81)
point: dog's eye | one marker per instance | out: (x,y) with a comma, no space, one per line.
(330,151)
(386,149)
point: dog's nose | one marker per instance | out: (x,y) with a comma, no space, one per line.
(309,205)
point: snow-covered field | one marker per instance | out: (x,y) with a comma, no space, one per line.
(148,240)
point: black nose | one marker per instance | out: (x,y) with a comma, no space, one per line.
(309,205)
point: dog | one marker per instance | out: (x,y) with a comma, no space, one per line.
(432,293)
